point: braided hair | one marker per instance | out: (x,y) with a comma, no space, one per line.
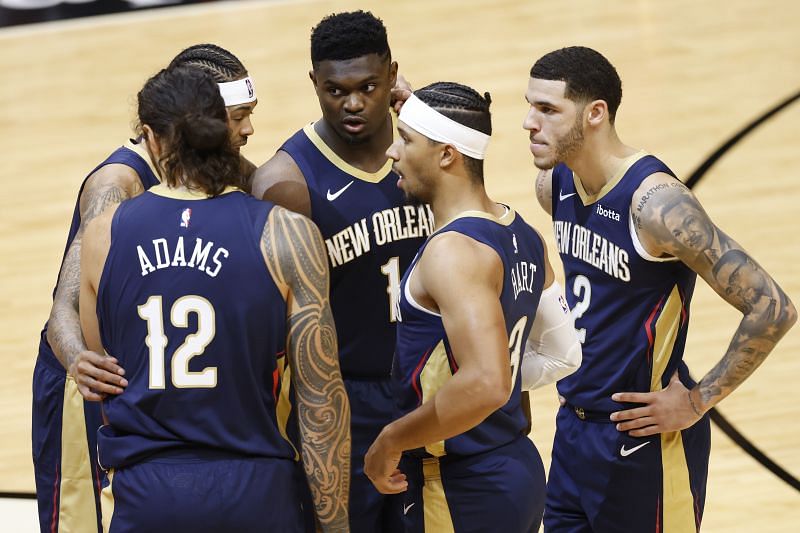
(464,105)
(222,65)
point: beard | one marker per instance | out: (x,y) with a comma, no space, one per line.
(571,142)
(565,146)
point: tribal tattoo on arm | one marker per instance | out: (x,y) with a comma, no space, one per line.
(669,219)
(64,327)
(296,255)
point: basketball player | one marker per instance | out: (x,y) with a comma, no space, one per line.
(632,441)
(336,172)
(479,286)
(64,427)
(199,289)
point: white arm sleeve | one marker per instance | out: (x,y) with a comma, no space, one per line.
(553,349)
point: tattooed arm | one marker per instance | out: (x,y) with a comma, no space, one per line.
(671,222)
(95,374)
(295,256)
(544,190)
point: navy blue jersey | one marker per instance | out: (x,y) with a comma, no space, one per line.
(424,360)
(371,237)
(132,156)
(188,306)
(631,310)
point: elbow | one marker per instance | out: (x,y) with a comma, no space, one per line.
(789,316)
(496,391)
(574,357)
(487,391)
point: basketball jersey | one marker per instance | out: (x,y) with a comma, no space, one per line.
(130,155)
(188,307)
(424,360)
(370,237)
(631,309)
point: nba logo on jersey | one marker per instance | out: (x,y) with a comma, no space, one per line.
(563,302)
(186,216)
(249,84)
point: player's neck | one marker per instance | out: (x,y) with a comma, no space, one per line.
(448,203)
(369,156)
(599,160)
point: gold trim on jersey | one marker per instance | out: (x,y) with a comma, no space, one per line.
(436,511)
(504,220)
(77,510)
(678,510)
(142,152)
(678,503)
(107,502)
(283,407)
(344,166)
(587,198)
(162,189)
(434,374)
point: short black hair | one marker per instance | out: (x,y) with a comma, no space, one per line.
(464,105)
(342,36)
(221,64)
(588,75)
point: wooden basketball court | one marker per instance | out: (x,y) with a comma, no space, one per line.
(693,74)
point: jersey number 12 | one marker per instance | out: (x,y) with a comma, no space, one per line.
(193,345)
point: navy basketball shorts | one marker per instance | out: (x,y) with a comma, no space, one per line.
(371,406)
(498,490)
(201,493)
(604,480)
(64,445)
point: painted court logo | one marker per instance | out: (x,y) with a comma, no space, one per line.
(186,216)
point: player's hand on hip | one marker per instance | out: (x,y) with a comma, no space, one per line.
(669,409)
(97,375)
(380,466)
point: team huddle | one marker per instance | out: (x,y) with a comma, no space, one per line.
(344,338)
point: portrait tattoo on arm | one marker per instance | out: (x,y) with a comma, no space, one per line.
(64,327)
(296,255)
(671,217)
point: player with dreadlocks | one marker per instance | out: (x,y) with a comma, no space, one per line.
(480,319)
(64,426)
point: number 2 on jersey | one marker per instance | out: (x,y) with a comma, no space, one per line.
(583,290)
(193,345)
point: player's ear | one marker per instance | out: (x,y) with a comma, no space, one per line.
(596,112)
(448,156)
(313,77)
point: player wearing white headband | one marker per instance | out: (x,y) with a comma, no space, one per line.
(477,303)
(64,426)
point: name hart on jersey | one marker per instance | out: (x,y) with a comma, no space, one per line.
(586,245)
(522,277)
(175,256)
(389,225)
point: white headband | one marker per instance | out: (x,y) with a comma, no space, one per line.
(238,92)
(422,118)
